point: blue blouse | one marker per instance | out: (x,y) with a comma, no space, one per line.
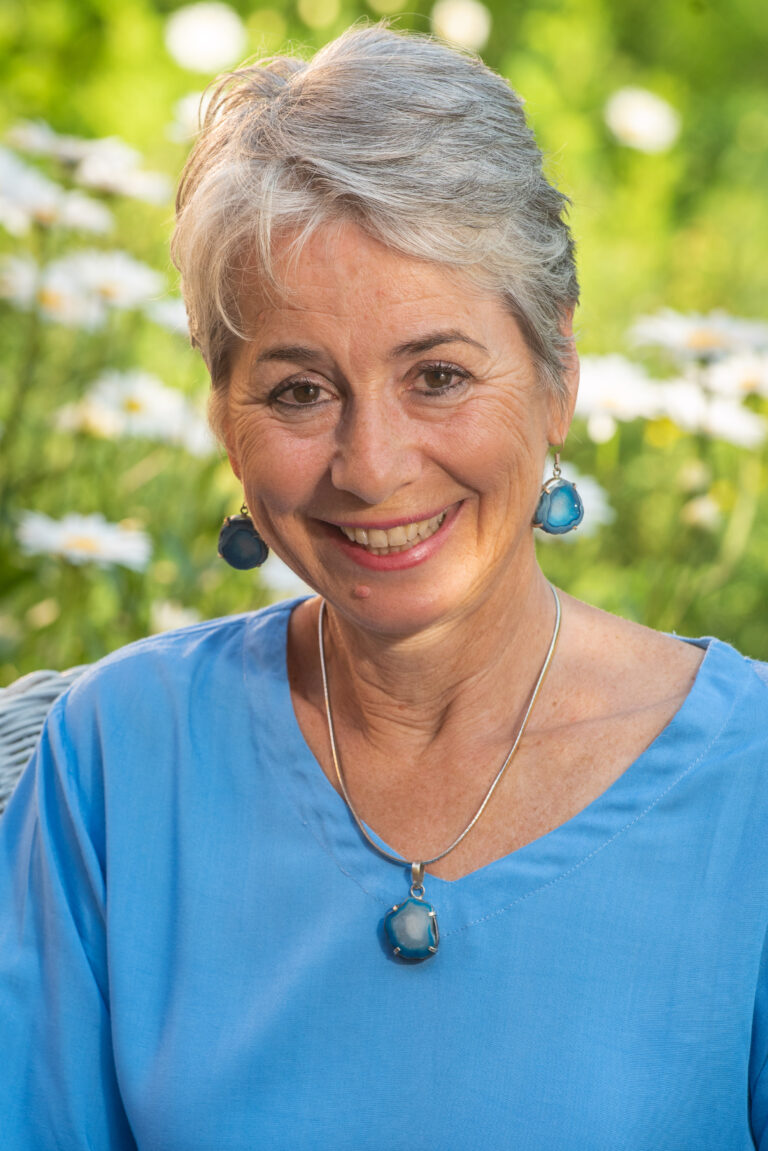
(191,955)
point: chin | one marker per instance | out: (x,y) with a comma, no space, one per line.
(397,612)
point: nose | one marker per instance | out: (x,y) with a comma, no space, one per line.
(377,451)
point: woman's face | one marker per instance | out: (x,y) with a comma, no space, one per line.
(390,433)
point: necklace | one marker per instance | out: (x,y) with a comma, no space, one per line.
(411,926)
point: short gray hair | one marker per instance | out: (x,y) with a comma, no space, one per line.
(421,145)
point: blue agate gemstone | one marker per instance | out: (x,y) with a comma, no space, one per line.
(559,508)
(240,544)
(411,927)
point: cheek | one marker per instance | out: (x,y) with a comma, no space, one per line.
(501,449)
(278,471)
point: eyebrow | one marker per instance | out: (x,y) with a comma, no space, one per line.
(433,340)
(299,353)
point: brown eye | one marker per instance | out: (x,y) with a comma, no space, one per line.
(300,394)
(304,393)
(438,377)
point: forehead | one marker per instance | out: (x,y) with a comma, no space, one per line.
(340,274)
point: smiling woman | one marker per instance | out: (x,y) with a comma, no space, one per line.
(387,420)
(436,820)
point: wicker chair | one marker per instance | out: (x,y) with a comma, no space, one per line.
(23,708)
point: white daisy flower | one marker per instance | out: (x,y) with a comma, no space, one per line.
(739,375)
(39,138)
(92,418)
(170,313)
(137,404)
(698,337)
(62,298)
(169,615)
(19,277)
(84,214)
(725,420)
(105,156)
(642,120)
(691,409)
(27,196)
(112,166)
(84,539)
(13,218)
(79,289)
(463,22)
(150,187)
(205,37)
(112,277)
(611,389)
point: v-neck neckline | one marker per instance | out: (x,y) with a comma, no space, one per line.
(683,743)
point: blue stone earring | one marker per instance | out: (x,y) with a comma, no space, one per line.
(240,544)
(559,509)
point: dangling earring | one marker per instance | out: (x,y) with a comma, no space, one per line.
(559,509)
(239,542)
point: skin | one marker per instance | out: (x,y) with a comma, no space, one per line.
(339,412)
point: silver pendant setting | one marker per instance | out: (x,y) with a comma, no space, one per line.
(411,926)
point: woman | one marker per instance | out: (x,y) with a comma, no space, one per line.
(537,919)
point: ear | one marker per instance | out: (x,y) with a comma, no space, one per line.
(563,405)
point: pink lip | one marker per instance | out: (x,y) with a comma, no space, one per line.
(397,561)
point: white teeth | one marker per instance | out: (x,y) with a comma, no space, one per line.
(385,541)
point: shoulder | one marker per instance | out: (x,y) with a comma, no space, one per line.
(168,708)
(760,669)
(193,666)
(630,682)
(619,667)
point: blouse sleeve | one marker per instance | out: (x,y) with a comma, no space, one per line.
(758,1069)
(758,1063)
(58,1084)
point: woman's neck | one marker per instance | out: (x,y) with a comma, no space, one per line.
(469,674)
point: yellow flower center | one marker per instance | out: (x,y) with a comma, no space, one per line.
(83,544)
(47,298)
(700,339)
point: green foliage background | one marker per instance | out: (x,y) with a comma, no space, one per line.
(686,229)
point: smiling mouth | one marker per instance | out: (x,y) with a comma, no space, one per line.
(388,541)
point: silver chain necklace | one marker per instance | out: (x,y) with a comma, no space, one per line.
(411,926)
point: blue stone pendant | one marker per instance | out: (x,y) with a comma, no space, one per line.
(411,927)
(559,508)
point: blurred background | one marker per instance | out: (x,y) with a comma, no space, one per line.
(654,120)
